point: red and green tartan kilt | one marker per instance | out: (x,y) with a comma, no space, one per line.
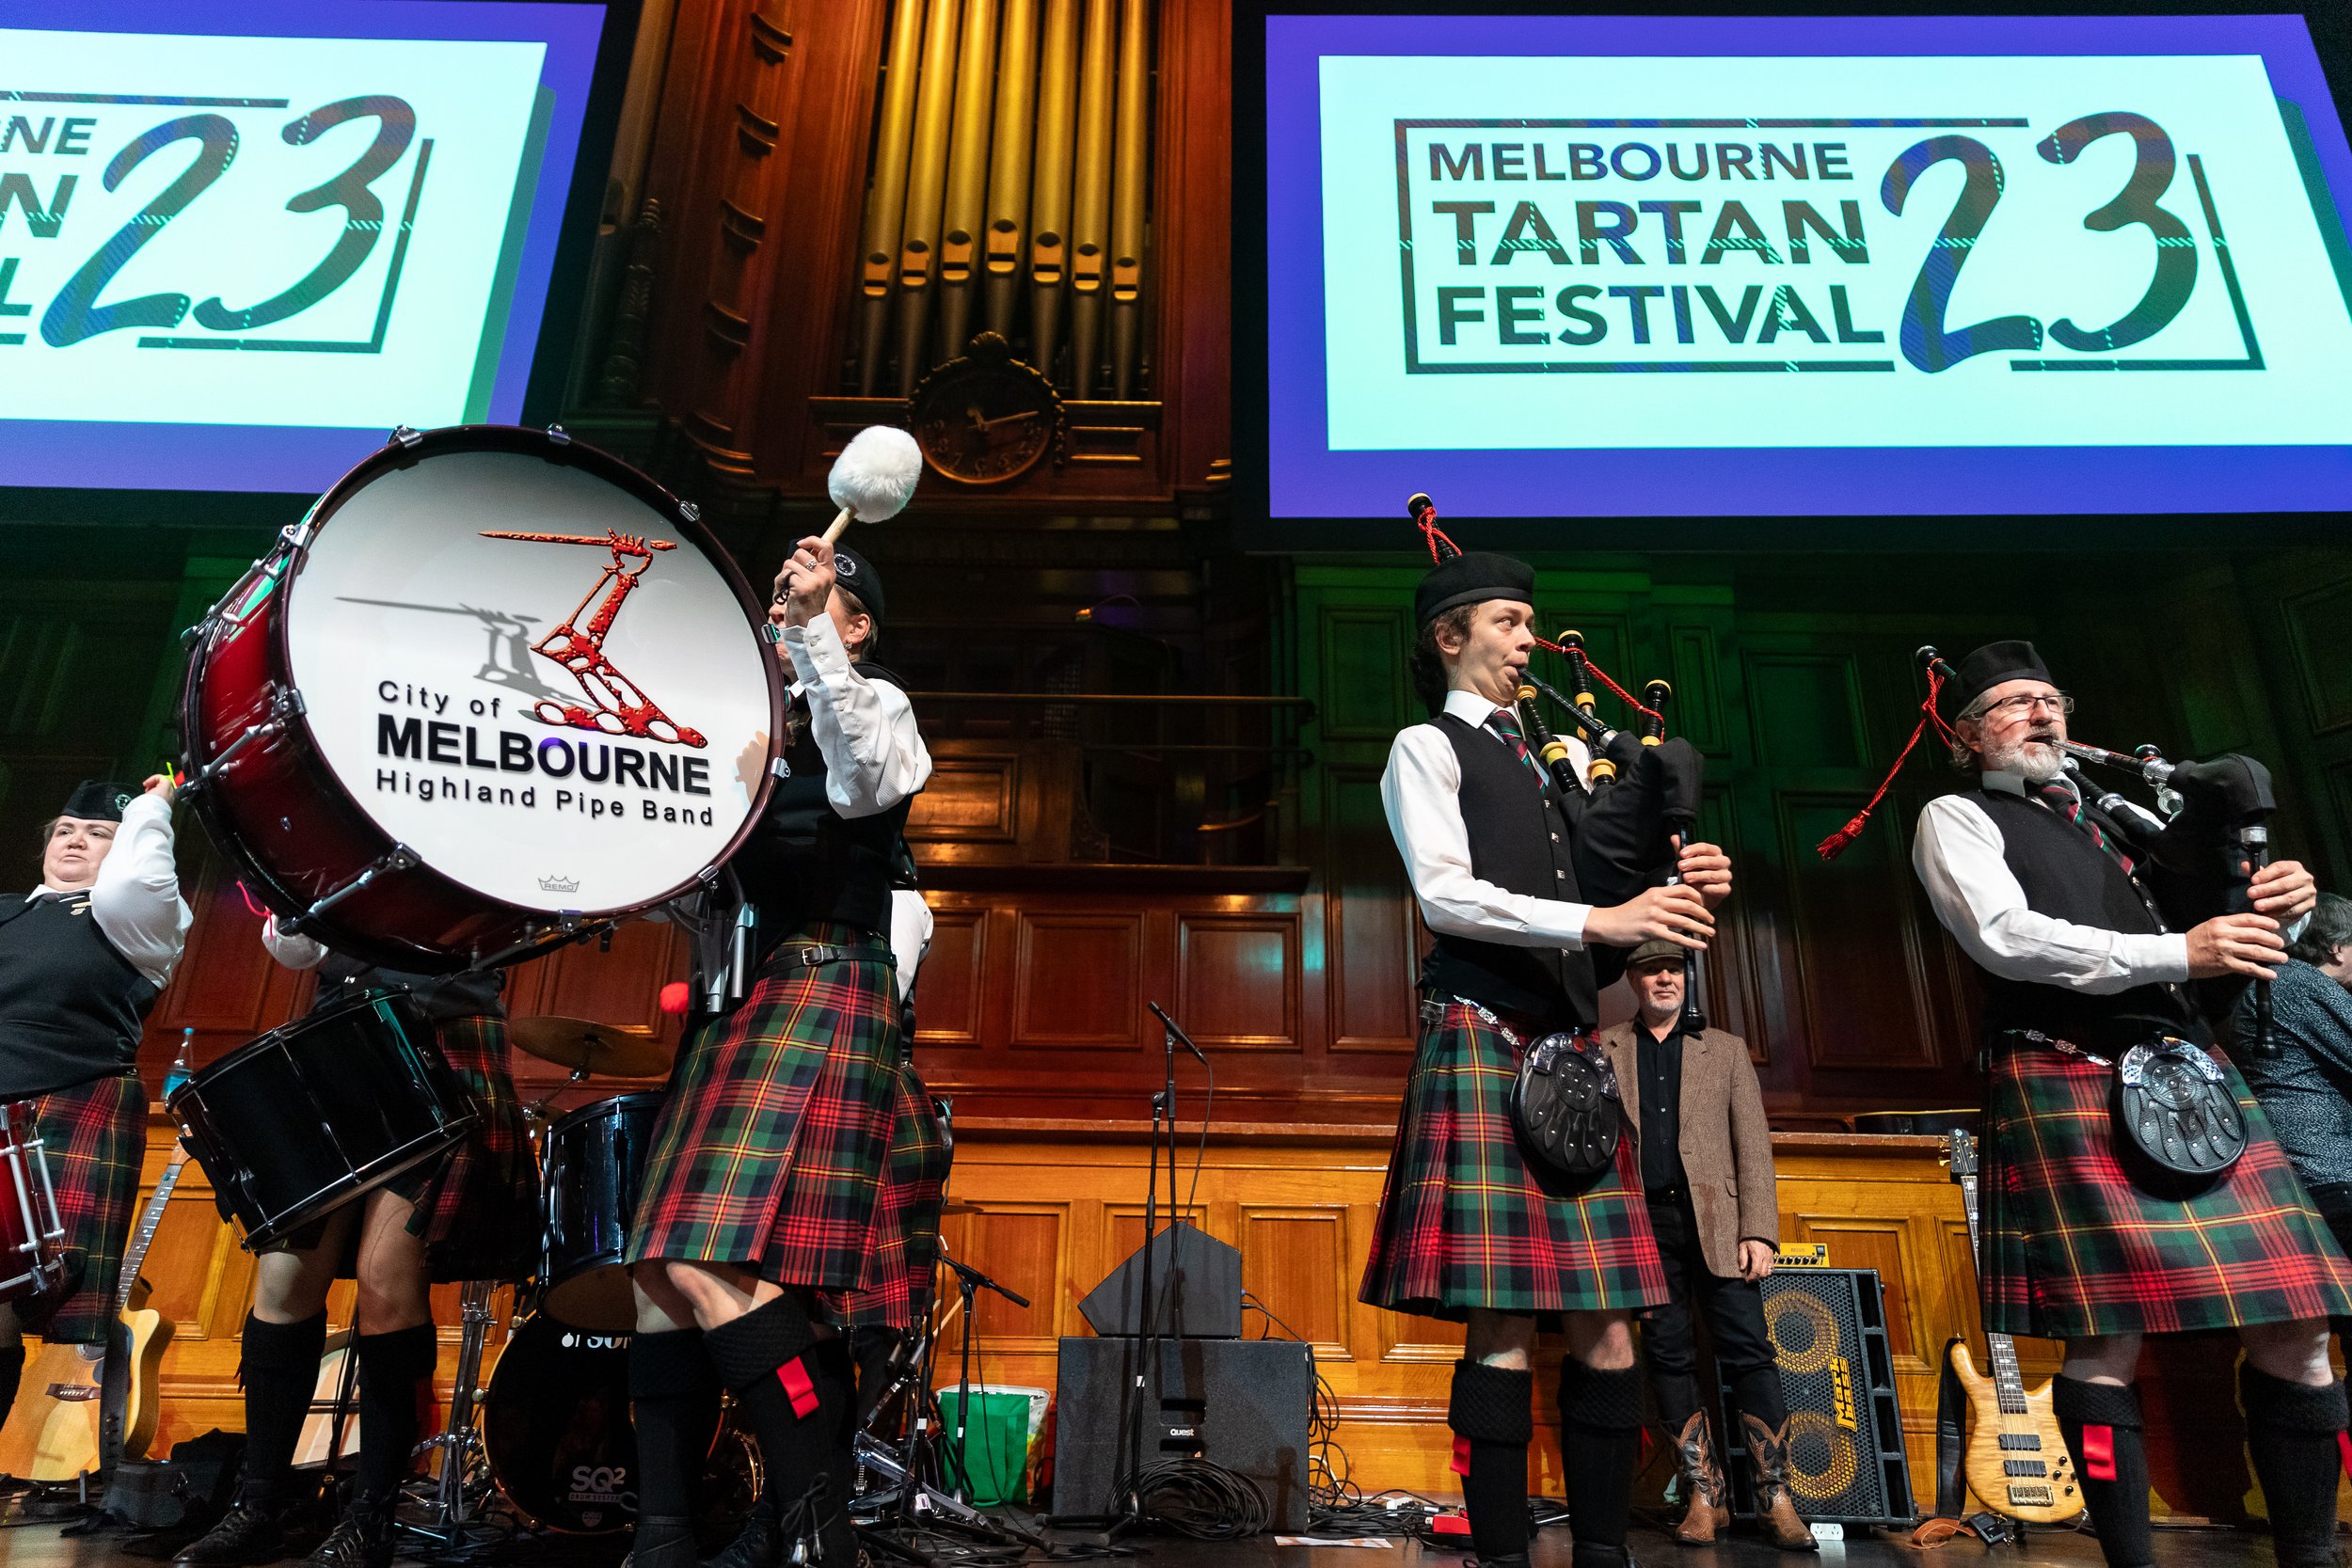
(1465,1222)
(772,1149)
(94,1138)
(2074,1249)
(905,1266)
(478,1207)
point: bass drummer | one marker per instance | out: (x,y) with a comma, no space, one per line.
(471,1215)
(766,1180)
(83,957)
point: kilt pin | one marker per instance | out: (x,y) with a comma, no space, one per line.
(1465,1222)
(2075,1250)
(94,1136)
(477,1207)
(772,1149)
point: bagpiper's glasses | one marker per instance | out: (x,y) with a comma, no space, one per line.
(2025,702)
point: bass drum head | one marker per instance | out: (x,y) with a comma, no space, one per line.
(531,665)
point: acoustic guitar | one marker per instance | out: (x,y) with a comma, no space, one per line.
(2015,1459)
(68,1421)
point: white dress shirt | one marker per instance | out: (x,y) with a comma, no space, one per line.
(1958,855)
(874,755)
(136,897)
(1421,791)
(910,935)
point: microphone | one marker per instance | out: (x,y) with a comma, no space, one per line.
(1177,1033)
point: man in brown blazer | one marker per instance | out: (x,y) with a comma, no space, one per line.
(1706,1158)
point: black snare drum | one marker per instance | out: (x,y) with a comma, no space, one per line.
(310,1115)
(595,1162)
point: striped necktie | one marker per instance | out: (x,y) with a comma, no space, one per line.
(1507,725)
(2069,805)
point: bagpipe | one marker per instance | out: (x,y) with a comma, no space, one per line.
(1639,797)
(2194,856)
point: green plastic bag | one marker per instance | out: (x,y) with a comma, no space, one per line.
(995,1450)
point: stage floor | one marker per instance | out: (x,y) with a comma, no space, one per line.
(43,1546)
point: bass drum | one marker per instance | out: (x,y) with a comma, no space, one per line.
(555,1426)
(312,1115)
(32,1238)
(496,684)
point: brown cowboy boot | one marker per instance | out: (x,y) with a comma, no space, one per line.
(1775,1510)
(1703,1480)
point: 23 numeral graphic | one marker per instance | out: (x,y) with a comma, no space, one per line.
(76,314)
(1929,346)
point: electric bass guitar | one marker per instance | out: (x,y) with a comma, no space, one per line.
(2015,1459)
(82,1410)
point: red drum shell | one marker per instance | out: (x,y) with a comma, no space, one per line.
(289,822)
(31,1260)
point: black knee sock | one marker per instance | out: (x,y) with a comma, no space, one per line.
(11,1373)
(674,1394)
(393,1370)
(2291,1430)
(1600,1431)
(800,1394)
(280,1368)
(1490,1416)
(2102,1425)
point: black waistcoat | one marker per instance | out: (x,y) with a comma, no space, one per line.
(805,861)
(70,1004)
(2067,876)
(1518,840)
(443,997)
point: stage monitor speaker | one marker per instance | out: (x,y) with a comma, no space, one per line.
(1242,1403)
(1196,1278)
(1846,1458)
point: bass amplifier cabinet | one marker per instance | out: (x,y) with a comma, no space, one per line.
(1846,1458)
(1242,1403)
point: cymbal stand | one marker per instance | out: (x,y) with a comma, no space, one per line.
(460,1495)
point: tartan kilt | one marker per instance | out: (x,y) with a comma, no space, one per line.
(478,1207)
(905,1266)
(94,1137)
(1465,1222)
(2074,1249)
(770,1151)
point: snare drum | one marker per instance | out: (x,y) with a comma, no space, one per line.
(596,1163)
(32,1238)
(496,684)
(310,1115)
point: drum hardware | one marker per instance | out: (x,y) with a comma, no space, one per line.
(587,1049)
(284,706)
(461,1493)
(399,858)
(30,1225)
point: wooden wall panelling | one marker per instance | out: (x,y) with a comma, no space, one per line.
(1237,980)
(1079,980)
(949,987)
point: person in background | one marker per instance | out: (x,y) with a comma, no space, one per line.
(1705,1152)
(2305,1083)
(83,957)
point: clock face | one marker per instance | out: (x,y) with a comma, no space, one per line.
(985,427)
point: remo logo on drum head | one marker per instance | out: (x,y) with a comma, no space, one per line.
(524,664)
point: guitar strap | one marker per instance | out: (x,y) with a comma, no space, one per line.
(1952,1410)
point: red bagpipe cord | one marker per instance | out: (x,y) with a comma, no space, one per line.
(1834,846)
(1432,535)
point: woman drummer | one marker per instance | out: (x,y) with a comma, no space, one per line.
(83,957)
(470,1216)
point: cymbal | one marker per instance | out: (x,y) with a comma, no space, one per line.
(589,1049)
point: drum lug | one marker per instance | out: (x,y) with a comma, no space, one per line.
(561,437)
(405,436)
(400,858)
(771,632)
(689,511)
(285,705)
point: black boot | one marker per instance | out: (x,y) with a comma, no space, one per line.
(674,1391)
(364,1539)
(11,1373)
(2102,1425)
(279,1363)
(2291,1430)
(1490,1415)
(760,1543)
(799,1391)
(245,1537)
(1600,1437)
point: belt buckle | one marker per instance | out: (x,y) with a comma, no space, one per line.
(820,953)
(1432,1012)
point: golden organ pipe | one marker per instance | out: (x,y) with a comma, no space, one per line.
(886,203)
(918,245)
(967,177)
(1009,173)
(1090,197)
(1128,183)
(1056,122)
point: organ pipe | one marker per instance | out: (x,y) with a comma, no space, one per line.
(1008,170)
(886,203)
(1128,186)
(1090,222)
(1056,122)
(926,174)
(967,177)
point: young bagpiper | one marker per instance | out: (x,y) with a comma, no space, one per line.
(1470,1229)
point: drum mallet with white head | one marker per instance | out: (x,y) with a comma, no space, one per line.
(874,477)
